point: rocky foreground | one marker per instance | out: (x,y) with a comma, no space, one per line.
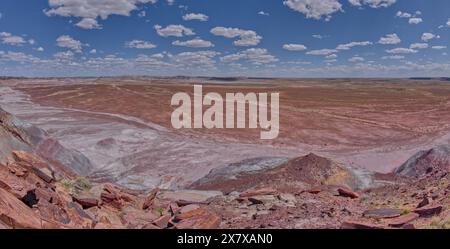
(40,187)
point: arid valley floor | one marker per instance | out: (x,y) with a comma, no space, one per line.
(352,153)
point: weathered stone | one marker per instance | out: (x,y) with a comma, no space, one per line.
(163,221)
(205,221)
(359,225)
(424,202)
(428,210)
(148,201)
(15,213)
(45,174)
(348,193)
(44,194)
(78,217)
(383,213)
(136,218)
(402,220)
(13,184)
(189,211)
(314,191)
(262,191)
(86,202)
(52,213)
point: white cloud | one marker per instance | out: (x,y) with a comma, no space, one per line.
(68,55)
(429,36)
(93,51)
(263,13)
(40,49)
(66,41)
(88,23)
(173,30)
(318,36)
(90,10)
(322,52)
(142,13)
(353,44)
(315,9)
(401,51)
(418,46)
(439,47)
(196,59)
(403,14)
(195,43)
(448,22)
(193,16)
(140,44)
(390,39)
(331,56)
(356,59)
(415,20)
(256,56)
(294,47)
(372,3)
(9,39)
(393,57)
(246,37)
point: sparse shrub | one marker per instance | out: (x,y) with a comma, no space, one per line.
(83,183)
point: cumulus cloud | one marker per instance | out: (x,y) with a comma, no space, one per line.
(439,47)
(256,56)
(372,3)
(88,23)
(315,9)
(418,46)
(415,20)
(350,45)
(10,39)
(429,36)
(294,47)
(401,51)
(390,39)
(66,41)
(197,59)
(173,30)
(448,22)
(246,37)
(322,52)
(263,13)
(64,56)
(194,16)
(90,10)
(195,43)
(139,44)
(39,49)
(403,14)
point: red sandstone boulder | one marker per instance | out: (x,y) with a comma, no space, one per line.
(345,192)
(15,213)
(262,191)
(429,210)
(359,225)
(403,220)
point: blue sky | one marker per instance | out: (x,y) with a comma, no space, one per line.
(262,38)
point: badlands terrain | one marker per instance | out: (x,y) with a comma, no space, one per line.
(101,153)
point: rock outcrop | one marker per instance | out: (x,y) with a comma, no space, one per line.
(309,170)
(18,135)
(426,162)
